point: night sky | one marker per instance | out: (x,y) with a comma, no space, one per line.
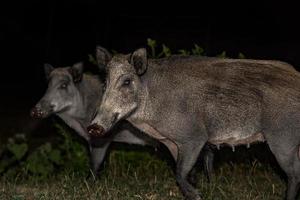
(65,32)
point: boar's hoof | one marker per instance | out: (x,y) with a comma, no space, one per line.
(95,130)
(36,113)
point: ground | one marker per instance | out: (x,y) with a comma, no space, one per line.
(150,177)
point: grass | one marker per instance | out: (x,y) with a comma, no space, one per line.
(146,176)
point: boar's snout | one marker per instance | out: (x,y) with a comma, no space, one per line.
(42,111)
(95,130)
(36,113)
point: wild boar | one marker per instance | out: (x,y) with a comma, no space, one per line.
(188,101)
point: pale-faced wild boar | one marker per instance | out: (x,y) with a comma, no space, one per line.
(188,101)
(74,96)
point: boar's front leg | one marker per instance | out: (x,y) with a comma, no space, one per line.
(187,157)
(97,155)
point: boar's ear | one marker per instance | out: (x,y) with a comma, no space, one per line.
(48,69)
(77,71)
(139,60)
(103,57)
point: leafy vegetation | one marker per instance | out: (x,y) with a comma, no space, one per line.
(64,153)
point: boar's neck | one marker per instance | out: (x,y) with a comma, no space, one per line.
(90,89)
(139,114)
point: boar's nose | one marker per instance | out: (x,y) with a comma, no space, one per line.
(95,130)
(36,112)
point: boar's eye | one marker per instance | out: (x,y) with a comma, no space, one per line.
(126,82)
(63,86)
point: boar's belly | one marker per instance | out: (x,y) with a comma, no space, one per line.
(237,139)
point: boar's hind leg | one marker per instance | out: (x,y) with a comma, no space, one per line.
(97,155)
(286,152)
(187,157)
(208,159)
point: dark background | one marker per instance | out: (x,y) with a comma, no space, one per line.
(65,32)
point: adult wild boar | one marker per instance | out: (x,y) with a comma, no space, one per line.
(74,96)
(187,101)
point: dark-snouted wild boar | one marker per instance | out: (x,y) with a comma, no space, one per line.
(73,96)
(187,101)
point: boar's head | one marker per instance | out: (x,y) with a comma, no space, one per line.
(62,93)
(122,91)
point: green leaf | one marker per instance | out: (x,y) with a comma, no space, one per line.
(197,50)
(222,55)
(92,60)
(46,148)
(38,164)
(5,163)
(166,50)
(55,156)
(114,52)
(152,44)
(184,52)
(18,150)
(241,56)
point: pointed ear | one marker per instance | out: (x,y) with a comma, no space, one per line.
(139,60)
(103,57)
(48,69)
(77,71)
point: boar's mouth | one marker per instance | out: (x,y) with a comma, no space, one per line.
(94,115)
(60,111)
